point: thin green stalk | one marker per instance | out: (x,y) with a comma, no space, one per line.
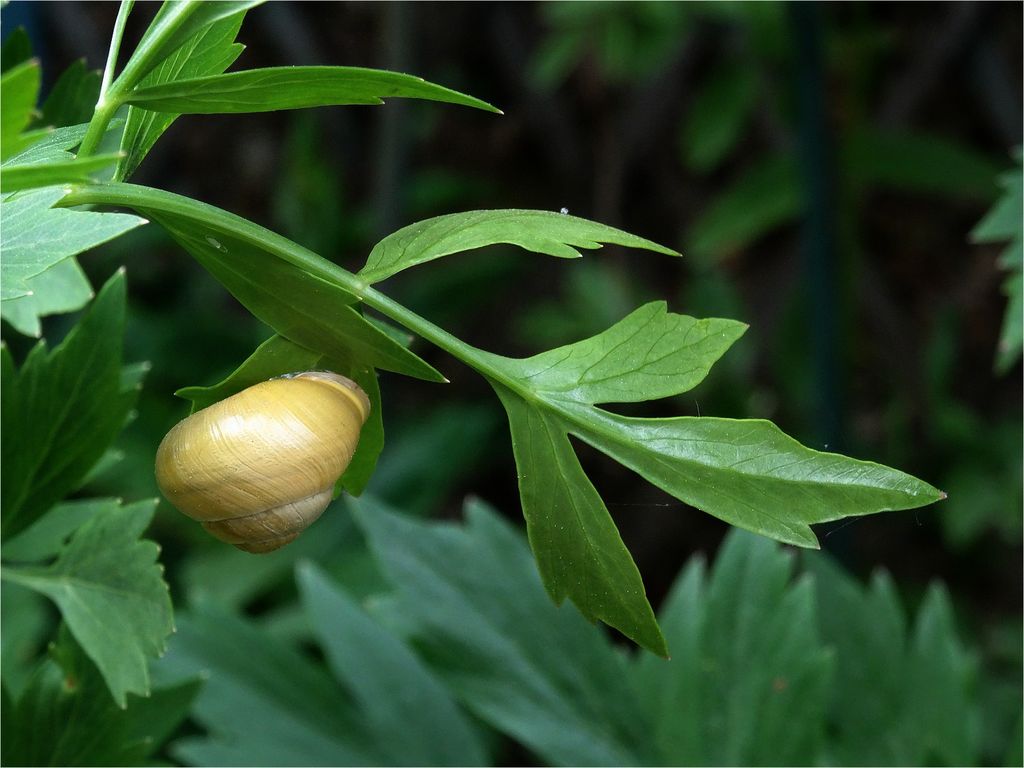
(137,67)
(115,48)
(143,199)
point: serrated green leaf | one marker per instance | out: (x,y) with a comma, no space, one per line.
(110,591)
(897,699)
(47,536)
(1005,222)
(209,51)
(295,712)
(19,88)
(480,617)
(15,177)
(579,552)
(766,196)
(546,232)
(301,307)
(277,356)
(37,236)
(62,410)
(719,113)
(408,712)
(650,354)
(918,163)
(66,718)
(72,98)
(61,288)
(277,88)
(749,679)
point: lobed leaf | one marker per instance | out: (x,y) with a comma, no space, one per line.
(900,697)
(37,236)
(749,679)
(579,552)
(46,536)
(276,88)
(66,406)
(64,717)
(59,289)
(110,591)
(412,716)
(650,354)
(295,711)
(546,232)
(748,472)
(479,616)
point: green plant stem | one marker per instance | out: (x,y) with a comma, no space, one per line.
(143,199)
(115,47)
(141,61)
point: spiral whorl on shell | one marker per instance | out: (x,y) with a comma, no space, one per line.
(259,467)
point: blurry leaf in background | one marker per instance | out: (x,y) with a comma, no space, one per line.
(749,678)
(410,473)
(412,715)
(211,51)
(59,289)
(718,114)
(899,697)
(385,710)
(982,461)
(65,717)
(19,89)
(918,163)
(307,197)
(482,620)
(766,196)
(16,49)
(66,406)
(27,621)
(73,97)
(110,591)
(1005,223)
(595,296)
(628,41)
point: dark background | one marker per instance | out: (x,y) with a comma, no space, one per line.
(835,222)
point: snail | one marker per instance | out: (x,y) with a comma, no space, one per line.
(257,468)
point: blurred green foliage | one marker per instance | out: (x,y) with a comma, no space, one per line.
(856,677)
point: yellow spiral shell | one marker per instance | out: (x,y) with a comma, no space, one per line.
(259,467)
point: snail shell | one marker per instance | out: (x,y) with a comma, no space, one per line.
(259,467)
